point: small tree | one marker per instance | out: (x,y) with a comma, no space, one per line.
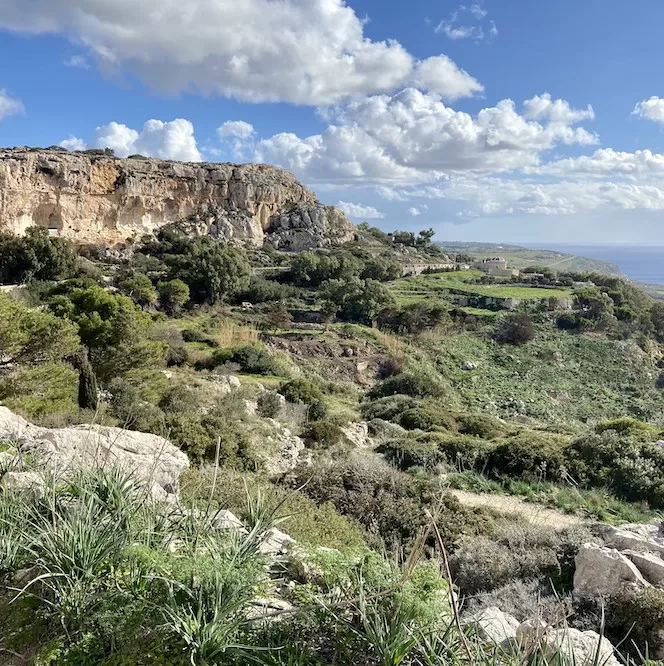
(88,392)
(139,288)
(172,296)
(516,329)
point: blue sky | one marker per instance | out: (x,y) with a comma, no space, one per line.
(498,121)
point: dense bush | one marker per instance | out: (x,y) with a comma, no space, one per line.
(463,452)
(113,328)
(480,425)
(405,453)
(252,358)
(139,288)
(311,269)
(527,455)
(35,256)
(408,383)
(632,468)
(517,551)
(212,271)
(323,435)
(388,408)
(390,504)
(173,295)
(629,427)
(269,404)
(356,300)
(413,318)
(301,391)
(262,290)
(31,336)
(383,269)
(516,329)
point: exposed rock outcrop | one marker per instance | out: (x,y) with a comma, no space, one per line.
(604,571)
(102,200)
(150,458)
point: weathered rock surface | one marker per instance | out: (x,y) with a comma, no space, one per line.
(275,543)
(102,200)
(493,625)
(650,565)
(358,435)
(604,571)
(23,483)
(581,648)
(150,458)
(639,538)
(284,451)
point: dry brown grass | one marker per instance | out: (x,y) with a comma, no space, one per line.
(231,333)
(393,345)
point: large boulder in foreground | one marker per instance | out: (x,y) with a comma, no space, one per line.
(604,572)
(581,648)
(150,458)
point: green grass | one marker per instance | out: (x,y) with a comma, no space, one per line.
(415,288)
(559,378)
(597,504)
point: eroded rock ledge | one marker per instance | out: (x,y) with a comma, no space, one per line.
(102,200)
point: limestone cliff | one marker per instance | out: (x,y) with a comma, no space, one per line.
(102,200)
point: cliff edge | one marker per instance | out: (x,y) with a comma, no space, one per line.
(98,199)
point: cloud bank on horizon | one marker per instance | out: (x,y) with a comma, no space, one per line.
(387,128)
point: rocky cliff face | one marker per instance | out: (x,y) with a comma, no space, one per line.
(98,199)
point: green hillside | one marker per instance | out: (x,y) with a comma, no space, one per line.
(408,433)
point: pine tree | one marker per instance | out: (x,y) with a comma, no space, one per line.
(88,395)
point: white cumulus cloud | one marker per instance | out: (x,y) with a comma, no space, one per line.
(651,109)
(412,137)
(312,52)
(414,212)
(359,211)
(9,106)
(465,22)
(238,129)
(441,75)
(73,143)
(172,140)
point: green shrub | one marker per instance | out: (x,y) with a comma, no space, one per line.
(633,469)
(317,411)
(390,504)
(132,410)
(301,392)
(480,425)
(516,329)
(639,613)
(198,436)
(323,435)
(173,295)
(567,322)
(252,358)
(418,419)
(631,427)
(414,385)
(269,404)
(463,452)
(406,453)
(427,416)
(181,400)
(527,455)
(389,408)
(196,335)
(35,256)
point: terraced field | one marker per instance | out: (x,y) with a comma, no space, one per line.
(421,287)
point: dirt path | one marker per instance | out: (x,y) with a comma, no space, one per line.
(514,506)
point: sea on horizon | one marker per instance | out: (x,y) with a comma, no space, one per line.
(640,263)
